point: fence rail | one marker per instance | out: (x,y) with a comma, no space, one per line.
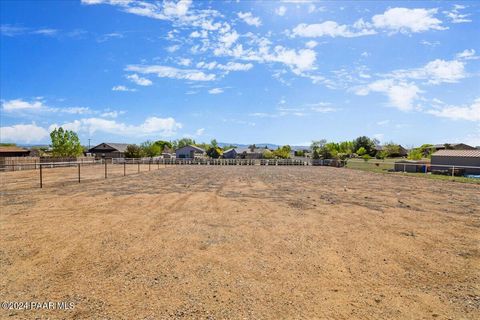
(106,168)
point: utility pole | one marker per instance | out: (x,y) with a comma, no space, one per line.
(89,143)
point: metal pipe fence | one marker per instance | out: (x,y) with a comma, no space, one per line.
(77,171)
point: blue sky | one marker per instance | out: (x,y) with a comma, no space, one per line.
(284,72)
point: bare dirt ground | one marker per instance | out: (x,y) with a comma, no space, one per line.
(244,243)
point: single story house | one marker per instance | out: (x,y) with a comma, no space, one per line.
(445,159)
(250,153)
(412,165)
(189,152)
(453,146)
(230,154)
(13,151)
(402,152)
(109,150)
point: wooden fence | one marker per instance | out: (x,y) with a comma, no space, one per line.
(33,163)
(216,162)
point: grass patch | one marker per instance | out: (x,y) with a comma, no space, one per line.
(380,166)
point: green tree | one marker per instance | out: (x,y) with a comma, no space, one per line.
(346,147)
(163,144)
(283,152)
(268,154)
(316,146)
(133,151)
(299,153)
(426,150)
(214,143)
(150,149)
(381,154)
(230,146)
(415,154)
(361,151)
(214,152)
(366,143)
(392,149)
(183,142)
(65,143)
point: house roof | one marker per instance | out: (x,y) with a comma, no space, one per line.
(12,149)
(442,145)
(193,147)
(248,150)
(457,153)
(229,150)
(121,147)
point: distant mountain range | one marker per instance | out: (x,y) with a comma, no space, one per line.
(270,146)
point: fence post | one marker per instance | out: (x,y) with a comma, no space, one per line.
(79,173)
(41,176)
(149,163)
(453,172)
(404,168)
(125,168)
(105,168)
(138,163)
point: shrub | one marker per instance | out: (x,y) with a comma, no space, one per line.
(415,154)
(268,154)
(361,151)
(214,152)
(366,157)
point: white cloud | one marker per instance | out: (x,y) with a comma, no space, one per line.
(171,72)
(76,110)
(249,19)
(12,31)
(139,80)
(436,72)
(455,16)
(402,95)
(46,32)
(229,38)
(469,113)
(173,48)
(281,10)
(311,44)
(408,20)
(112,114)
(200,132)
(230,66)
(215,91)
(19,104)
(176,9)
(467,54)
(300,61)
(151,126)
(123,88)
(108,36)
(185,62)
(23,133)
(330,29)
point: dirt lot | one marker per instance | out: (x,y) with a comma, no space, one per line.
(244,243)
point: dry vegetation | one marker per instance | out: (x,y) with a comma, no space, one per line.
(243,242)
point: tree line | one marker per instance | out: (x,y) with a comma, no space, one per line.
(65,143)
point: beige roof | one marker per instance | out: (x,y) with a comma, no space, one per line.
(12,149)
(458,153)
